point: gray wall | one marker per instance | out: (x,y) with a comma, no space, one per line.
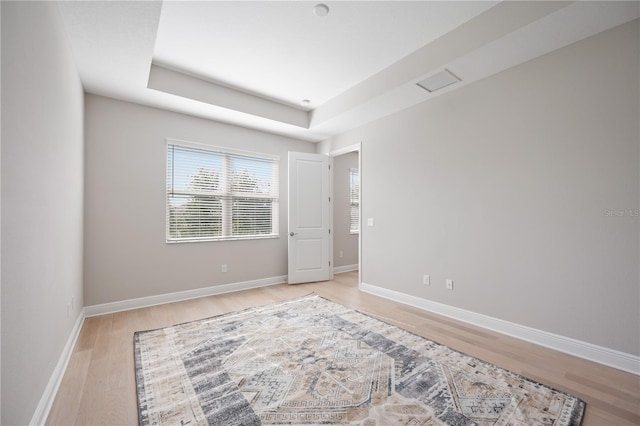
(523,188)
(0,220)
(125,251)
(42,197)
(343,240)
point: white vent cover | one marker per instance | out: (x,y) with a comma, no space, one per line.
(439,80)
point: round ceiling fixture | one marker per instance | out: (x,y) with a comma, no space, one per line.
(321,9)
(305,102)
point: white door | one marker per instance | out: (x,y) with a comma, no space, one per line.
(309,217)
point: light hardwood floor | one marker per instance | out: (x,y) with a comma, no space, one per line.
(99,385)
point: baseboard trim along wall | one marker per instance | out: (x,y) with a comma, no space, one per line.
(602,355)
(49,394)
(345,268)
(611,357)
(143,302)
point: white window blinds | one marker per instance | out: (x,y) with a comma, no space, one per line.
(354,197)
(219,194)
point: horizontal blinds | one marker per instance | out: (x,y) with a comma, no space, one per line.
(253,177)
(194,217)
(213,194)
(354,197)
(251,216)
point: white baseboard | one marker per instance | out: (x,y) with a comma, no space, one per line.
(602,355)
(345,268)
(49,394)
(143,302)
(611,357)
(46,401)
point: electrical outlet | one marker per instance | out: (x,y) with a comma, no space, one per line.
(341,254)
(426,280)
(223,267)
(449,284)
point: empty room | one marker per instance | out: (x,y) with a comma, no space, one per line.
(305,212)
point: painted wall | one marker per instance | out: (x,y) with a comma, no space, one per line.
(523,188)
(42,198)
(343,240)
(126,255)
(0,221)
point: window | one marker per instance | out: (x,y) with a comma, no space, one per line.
(354,197)
(220,194)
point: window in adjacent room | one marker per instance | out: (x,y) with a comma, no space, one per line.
(355,200)
(220,194)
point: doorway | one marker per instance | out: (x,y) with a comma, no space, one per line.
(346,202)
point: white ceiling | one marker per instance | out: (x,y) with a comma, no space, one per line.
(285,52)
(251,63)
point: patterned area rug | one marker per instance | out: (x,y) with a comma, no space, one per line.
(310,361)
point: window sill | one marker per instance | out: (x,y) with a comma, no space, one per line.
(217,239)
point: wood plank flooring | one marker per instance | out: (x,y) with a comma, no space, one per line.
(98,387)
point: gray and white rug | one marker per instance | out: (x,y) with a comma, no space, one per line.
(310,361)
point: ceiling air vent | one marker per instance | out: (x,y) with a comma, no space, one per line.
(438,81)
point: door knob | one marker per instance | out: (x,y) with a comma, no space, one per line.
(291,234)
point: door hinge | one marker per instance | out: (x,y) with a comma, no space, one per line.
(329,263)
(329,166)
(329,199)
(329,230)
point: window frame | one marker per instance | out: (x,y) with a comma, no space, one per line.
(225,194)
